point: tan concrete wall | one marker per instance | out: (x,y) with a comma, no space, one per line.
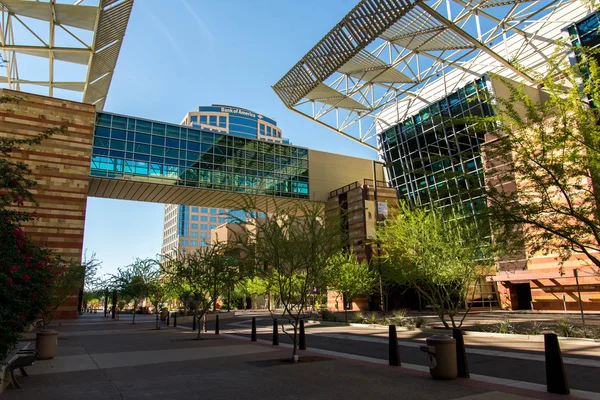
(61,167)
(329,171)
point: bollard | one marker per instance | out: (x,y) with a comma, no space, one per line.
(194,324)
(302,344)
(175,320)
(556,377)
(394,351)
(157,325)
(217,324)
(462,366)
(253,334)
(275,333)
(168,316)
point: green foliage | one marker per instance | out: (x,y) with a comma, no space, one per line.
(358,318)
(289,248)
(565,328)
(418,322)
(371,318)
(135,281)
(550,143)
(480,327)
(327,315)
(201,276)
(535,328)
(399,318)
(349,277)
(67,282)
(505,326)
(439,255)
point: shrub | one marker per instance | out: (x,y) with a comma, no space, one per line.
(371,318)
(358,318)
(399,317)
(565,328)
(535,328)
(505,326)
(327,315)
(480,327)
(419,322)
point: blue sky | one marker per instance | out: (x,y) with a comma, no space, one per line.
(180,54)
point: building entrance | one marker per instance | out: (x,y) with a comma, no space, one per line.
(523,292)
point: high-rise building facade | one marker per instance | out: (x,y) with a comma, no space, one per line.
(187,228)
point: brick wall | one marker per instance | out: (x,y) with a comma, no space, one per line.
(61,167)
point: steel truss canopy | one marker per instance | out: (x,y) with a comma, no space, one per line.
(386,59)
(62,47)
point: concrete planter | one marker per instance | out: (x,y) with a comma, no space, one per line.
(45,343)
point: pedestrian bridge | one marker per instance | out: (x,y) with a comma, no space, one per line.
(140,159)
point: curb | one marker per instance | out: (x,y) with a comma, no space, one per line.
(533,338)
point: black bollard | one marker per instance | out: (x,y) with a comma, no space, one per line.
(275,333)
(175,320)
(462,366)
(253,334)
(168,316)
(217,324)
(302,344)
(394,351)
(194,324)
(556,377)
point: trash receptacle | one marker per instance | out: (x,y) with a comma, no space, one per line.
(441,350)
(163,314)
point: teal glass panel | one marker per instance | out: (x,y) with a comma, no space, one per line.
(101,142)
(158,151)
(158,129)
(119,122)
(103,119)
(117,145)
(143,126)
(193,135)
(172,132)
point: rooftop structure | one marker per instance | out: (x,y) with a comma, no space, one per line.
(62,50)
(387,59)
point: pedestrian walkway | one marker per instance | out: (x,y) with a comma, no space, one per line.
(104,359)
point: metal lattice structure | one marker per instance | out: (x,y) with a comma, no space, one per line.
(75,41)
(386,59)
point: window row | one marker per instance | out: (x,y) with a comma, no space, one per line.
(124,131)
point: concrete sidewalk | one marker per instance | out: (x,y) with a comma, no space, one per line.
(104,359)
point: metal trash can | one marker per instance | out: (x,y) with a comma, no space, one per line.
(441,350)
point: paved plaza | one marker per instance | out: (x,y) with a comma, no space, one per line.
(100,358)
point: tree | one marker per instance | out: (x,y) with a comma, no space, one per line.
(135,280)
(543,164)
(438,255)
(202,275)
(158,293)
(289,248)
(67,282)
(350,278)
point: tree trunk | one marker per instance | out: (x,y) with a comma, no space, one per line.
(295,352)
(133,323)
(198,326)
